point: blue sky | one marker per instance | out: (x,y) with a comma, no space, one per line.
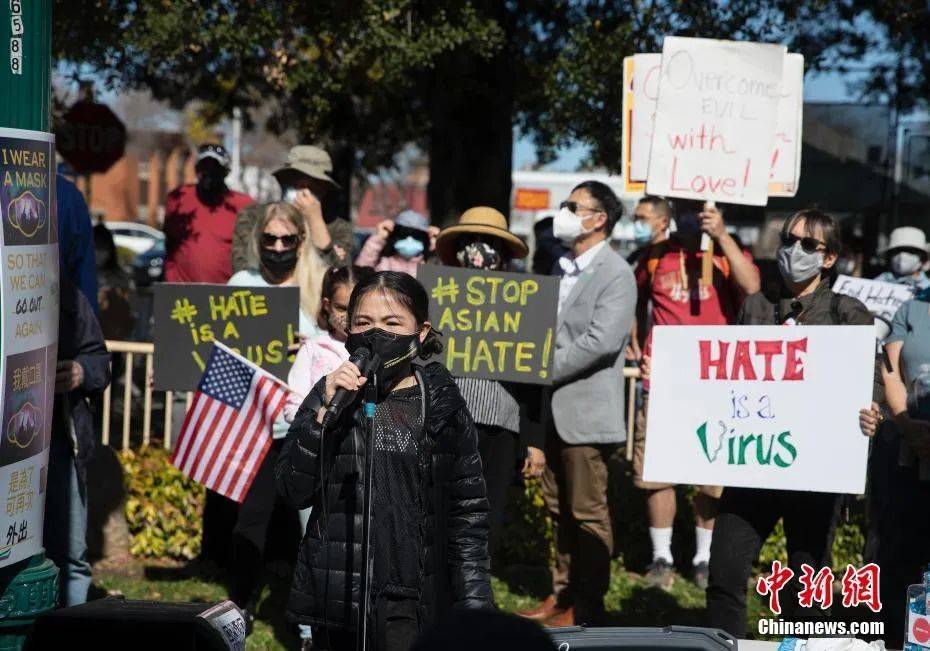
(829,87)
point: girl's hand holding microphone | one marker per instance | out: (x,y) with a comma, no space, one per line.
(347,377)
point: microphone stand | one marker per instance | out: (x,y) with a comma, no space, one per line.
(371,394)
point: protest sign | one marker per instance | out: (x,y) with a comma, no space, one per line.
(640,93)
(715,120)
(760,406)
(259,323)
(30,299)
(882,299)
(495,325)
(786,154)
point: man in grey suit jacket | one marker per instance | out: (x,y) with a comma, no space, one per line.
(597,302)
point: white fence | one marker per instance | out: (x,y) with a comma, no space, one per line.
(132,351)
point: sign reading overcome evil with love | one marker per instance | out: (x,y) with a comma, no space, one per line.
(495,325)
(257,322)
(760,406)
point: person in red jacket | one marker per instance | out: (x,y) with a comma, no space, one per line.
(199,222)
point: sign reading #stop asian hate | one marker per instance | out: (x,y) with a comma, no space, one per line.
(495,325)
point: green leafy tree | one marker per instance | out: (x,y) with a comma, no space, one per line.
(454,77)
(348,74)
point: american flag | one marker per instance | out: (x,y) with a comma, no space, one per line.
(227,431)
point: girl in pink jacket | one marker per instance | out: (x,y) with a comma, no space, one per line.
(319,356)
(399,244)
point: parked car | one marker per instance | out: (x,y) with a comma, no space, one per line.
(148,267)
(138,238)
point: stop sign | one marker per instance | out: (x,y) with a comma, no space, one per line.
(91,138)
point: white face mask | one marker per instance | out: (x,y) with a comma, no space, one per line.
(905,263)
(797,265)
(567,226)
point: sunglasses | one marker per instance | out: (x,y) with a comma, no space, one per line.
(289,241)
(809,244)
(574,207)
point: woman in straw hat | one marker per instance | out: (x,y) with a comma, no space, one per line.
(481,240)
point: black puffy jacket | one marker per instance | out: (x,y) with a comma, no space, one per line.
(455,571)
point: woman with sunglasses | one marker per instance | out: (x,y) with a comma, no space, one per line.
(286,257)
(810,243)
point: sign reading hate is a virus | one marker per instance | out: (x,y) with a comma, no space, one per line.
(760,406)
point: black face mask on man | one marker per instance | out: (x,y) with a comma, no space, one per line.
(395,350)
(279,263)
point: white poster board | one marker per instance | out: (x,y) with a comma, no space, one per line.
(641,80)
(715,120)
(29,301)
(757,417)
(786,154)
(882,299)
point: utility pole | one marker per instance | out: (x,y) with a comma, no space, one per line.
(28,581)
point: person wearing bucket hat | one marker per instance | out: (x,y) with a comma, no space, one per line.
(907,256)
(306,180)
(399,244)
(481,240)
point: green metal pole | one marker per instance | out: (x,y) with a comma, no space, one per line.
(25,98)
(29,587)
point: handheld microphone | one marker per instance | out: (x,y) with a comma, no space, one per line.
(367,363)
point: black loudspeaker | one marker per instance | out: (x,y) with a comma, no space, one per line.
(678,638)
(116,623)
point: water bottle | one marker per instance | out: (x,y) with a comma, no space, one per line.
(917,631)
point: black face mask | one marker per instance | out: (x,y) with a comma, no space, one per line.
(279,263)
(396,352)
(211,188)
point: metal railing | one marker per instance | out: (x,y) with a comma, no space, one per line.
(132,350)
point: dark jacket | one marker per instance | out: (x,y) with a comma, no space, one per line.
(80,339)
(76,239)
(456,561)
(820,307)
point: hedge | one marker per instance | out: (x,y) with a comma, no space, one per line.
(164,510)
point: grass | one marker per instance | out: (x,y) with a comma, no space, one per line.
(630,602)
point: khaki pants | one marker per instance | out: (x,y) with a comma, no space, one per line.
(574,487)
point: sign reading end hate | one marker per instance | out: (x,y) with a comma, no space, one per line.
(495,325)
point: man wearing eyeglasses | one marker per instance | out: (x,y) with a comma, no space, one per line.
(199,222)
(597,297)
(669,279)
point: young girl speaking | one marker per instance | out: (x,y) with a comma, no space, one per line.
(429,524)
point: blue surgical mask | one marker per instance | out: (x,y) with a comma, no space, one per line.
(409,247)
(642,233)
